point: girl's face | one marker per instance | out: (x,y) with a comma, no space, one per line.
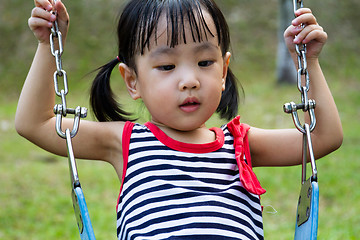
(180,86)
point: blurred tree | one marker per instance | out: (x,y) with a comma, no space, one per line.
(285,71)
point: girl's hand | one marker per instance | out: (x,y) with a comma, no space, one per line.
(312,34)
(42,19)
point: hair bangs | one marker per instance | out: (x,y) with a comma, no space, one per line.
(180,15)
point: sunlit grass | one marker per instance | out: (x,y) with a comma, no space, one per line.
(35,192)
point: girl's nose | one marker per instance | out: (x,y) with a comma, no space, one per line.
(188,82)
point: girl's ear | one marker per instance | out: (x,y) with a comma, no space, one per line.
(225,68)
(130,80)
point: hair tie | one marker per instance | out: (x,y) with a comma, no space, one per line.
(117,57)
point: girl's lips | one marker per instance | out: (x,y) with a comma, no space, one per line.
(190,105)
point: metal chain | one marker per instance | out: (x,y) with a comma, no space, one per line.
(307,105)
(81,213)
(61,110)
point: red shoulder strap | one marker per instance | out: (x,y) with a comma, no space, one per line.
(241,145)
(125,149)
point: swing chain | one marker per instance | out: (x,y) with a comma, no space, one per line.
(307,105)
(61,110)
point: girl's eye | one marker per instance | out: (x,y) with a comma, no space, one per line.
(205,63)
(166,67)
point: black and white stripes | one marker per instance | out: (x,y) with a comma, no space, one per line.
(195,194)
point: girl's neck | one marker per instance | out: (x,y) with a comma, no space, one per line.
(199,135)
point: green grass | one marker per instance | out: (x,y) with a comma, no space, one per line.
(35,192)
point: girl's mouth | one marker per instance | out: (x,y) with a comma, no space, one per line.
(190,105)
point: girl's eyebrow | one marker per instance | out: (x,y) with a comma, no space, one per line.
(163,50)
(205,46)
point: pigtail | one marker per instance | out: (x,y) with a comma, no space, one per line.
(228,107)
(102,98)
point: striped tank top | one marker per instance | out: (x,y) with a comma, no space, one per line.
(175,190)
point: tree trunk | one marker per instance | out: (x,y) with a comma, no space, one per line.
(286,71)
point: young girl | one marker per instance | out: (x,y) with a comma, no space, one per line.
(179,179)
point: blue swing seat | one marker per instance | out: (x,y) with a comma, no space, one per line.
(82,214)
(308,210)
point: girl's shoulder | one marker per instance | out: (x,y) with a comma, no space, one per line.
(238,129)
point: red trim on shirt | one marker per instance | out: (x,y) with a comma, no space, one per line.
(125,148)
(188,147)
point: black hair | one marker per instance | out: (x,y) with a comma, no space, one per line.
(137,24)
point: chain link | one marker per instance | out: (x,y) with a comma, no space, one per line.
(61,110)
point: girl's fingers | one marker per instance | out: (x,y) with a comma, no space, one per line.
(306,18)
(40,18)
(304,29)
(306,35)
(44,10)
(35,23)
(318,34)
(45,4)
(38,12)
(301,11)
(61,12)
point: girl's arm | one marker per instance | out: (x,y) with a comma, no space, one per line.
(34,116)
(283,147)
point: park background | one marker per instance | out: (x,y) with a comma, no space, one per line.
(34,185)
